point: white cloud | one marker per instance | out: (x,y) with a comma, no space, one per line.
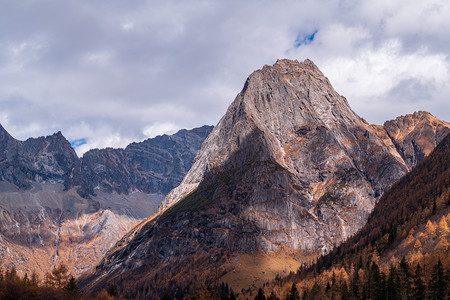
(159,129)
(101,58)
(376,71)
(372,78)
(116,73)
(97,136)
(127,25)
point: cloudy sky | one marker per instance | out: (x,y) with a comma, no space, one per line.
(110,72)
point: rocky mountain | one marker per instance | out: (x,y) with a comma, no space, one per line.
(410,210)
(408,227)
(289,172)
(413,135)
(58,208)
(48,158)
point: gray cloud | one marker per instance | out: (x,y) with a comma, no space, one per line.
(112,72)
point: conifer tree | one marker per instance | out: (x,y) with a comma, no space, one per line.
(345,294)
(260,295)
(419,286)
(58,276)
(293,293)
(71,286)
(375,282)
(34,279)
(355,285)
(166,297)
(405,279)
(392,284)
(25,279)
(273,296)
(438,283)
(333,279)
(112,291)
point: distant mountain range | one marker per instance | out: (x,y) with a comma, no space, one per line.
(288,174)
(58,208)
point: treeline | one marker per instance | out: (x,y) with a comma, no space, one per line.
(366,280)
(56,285)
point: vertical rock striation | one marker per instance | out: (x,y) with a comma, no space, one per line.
(290,168)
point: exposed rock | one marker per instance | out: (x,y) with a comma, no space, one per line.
(152,166)
(56,207)
(416,135)
(48,158)
(290,167)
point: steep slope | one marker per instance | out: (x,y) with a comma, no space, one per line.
(412,135)
(48,158)
(421,197)
(410,221)
(290,171)
(58,208)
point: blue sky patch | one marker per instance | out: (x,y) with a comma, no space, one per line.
(304,39)
(77,143)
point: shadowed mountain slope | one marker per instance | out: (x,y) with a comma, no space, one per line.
(290,171)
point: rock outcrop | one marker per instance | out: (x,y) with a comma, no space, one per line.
(58,208)
(290,169)
(416,135)
(48,158)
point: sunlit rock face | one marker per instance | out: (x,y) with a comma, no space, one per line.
(416,135)
(333,165)
(58,208)
(289,169)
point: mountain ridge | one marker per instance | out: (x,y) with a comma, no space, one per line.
(58,208)
(408,227)
(290,168)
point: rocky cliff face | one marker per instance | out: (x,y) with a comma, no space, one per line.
(48,158)
(56,207)
(416,135)
(290,169)
(152,166)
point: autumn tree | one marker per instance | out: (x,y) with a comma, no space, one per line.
(273,296)
(443,227)
(293,293)
(58,276)
(34,279)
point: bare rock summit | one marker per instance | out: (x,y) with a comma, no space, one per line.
(289,172)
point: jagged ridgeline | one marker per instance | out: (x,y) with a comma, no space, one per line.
(58,208)
(288,173)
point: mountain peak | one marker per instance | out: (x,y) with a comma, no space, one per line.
(4,135)
(292,64)
(411,135)
(289,166)
(276,101)
(289,67)
(285,63)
